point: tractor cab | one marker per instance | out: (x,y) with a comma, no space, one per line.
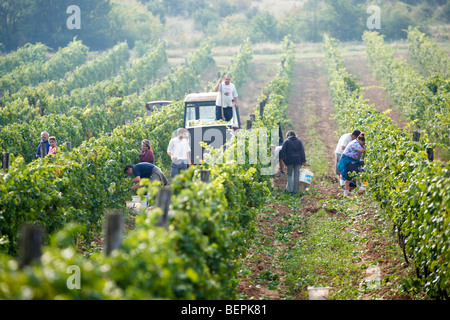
(200,120)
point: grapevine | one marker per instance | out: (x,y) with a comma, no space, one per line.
(424,101)
(196,258)
(412,190)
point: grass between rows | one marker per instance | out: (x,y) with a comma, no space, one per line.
(320,238)
(312,239)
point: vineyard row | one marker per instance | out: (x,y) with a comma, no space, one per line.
(78,124)
(412,190)
(422,100)
(195,258)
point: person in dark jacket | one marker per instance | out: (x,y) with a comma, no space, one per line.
(293,155)
(144,170)
(44,140)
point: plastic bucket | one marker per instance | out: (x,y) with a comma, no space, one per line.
(133,205)
(318,293)
(306,176)
(138,203)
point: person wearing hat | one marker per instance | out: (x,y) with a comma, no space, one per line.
(146,154)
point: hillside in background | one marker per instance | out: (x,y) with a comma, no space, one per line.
(103,23)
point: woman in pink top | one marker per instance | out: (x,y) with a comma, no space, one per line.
(53,148)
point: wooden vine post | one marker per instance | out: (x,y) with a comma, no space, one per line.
(6,161)
(204,176)
(430,153)
(163,200)
(262,104)
(113,231)
(30,243)
(43,150)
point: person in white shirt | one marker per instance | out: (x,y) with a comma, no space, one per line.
(179,151)
(276,162)
(344,140)
(227,90)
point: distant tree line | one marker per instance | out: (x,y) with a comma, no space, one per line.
(104,23)
(233,21)
(345,20)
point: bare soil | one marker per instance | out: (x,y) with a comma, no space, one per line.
(309,93)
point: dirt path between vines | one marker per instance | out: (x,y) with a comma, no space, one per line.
(310,97)
(309,93)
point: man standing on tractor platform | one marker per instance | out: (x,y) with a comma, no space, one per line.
(225,99)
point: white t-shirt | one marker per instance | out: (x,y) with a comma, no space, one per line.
(179,148)
(344,140)
(229,93)
(276,159)
(276,152)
